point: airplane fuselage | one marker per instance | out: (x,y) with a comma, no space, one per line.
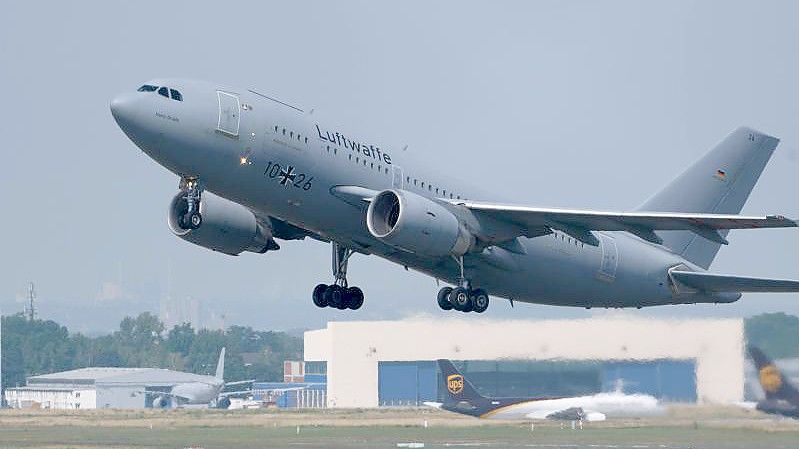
(281,162)
(611,405)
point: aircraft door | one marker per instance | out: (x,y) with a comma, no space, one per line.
(229,113)
(397,178)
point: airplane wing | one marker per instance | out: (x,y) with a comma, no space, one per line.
(235,393)
(239,382)
(535,221)
(709,282)
(161,393)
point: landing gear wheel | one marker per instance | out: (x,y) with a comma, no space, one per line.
(460,300)
(335,297)
(479,300)
(195,220)
(354,298)
(443,298)
(319,295)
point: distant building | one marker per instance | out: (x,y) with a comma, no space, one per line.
(89,388)
(370,364)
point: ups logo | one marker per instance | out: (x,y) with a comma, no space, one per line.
(770,378)
(455,383)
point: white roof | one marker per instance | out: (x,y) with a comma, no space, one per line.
(138,376)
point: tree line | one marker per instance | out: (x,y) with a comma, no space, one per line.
(44,346)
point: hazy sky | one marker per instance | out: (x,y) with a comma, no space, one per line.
(582,103)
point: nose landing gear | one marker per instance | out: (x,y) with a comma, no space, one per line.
(191,217)
(463,298)
(339,295)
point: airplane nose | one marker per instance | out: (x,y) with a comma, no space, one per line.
(121,107)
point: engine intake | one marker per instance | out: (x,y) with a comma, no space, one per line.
(226,226)
(417,224)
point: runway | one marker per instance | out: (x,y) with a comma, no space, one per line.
(695,427)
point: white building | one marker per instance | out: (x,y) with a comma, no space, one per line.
(96,388)
(386,362)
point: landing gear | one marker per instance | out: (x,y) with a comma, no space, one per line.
(191,217)
(339,295)
(463,298)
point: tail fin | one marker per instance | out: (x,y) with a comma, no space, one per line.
(720,183)
(457,387)
(220,365)
(774,384)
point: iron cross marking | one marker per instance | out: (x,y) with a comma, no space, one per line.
(287,176)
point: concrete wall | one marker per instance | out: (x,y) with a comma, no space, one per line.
(120,396)
(352,350)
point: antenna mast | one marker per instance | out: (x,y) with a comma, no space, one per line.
(31,302)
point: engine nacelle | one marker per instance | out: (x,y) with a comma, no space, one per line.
(417,224)
(161,402)
(226,226)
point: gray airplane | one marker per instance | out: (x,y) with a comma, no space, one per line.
(254,170)
(204,392)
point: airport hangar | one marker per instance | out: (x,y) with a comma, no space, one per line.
(88,388)
(384,363)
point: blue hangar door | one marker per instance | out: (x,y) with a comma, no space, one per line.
(406,383)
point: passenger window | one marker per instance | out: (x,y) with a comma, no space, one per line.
(147,88)
(175,95)
(164,92)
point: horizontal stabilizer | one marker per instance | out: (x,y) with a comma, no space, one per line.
(719,283)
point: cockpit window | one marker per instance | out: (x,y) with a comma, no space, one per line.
(175,95)
(147,88)
(164,92)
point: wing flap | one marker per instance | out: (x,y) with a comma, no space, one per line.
(719,283)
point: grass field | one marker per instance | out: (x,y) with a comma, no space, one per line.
(695,427)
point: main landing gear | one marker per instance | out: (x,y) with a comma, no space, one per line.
(339,295)
(191,217)
(463,298)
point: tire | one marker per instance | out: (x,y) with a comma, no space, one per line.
(355,298)
(319,296)
(479,300)
(460,299)
(195,220)
(443,298)
(335,297)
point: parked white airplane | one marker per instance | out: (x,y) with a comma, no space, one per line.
(206,392)
(255,170)
(461,397)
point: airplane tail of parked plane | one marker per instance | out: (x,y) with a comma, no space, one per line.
(774,383)
(458,388)
(718,183)
(460,395)
(220,365)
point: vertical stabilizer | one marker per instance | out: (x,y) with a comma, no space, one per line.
(457,387)
(774,383)
(220,365)
(718,183)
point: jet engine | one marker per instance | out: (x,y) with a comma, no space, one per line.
(417,224)
(161,402)
(226,226)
